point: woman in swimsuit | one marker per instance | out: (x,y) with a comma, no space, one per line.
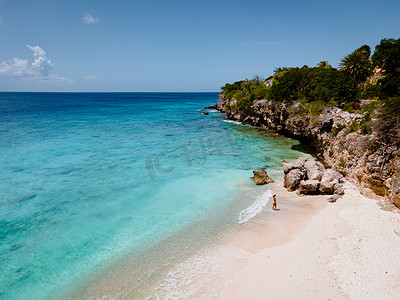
(274,202)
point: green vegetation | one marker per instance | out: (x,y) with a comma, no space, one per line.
(313,84)
(316,107)
(357,64)
(337,129)
(353,126)
(387,57)
(360,77)
(229,89)
(365,123)
(341,163)
(352,106)
(390,107)
(245,92)
(388,128)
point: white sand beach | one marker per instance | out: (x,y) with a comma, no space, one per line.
(348,250)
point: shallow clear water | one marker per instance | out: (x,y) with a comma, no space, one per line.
(88,177)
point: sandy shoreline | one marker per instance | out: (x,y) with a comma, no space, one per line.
(206,274)
(348,250)
(309,249)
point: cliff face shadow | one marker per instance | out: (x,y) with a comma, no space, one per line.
(305,148)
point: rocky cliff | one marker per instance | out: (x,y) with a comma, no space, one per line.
(365,159)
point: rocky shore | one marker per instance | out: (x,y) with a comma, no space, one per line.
(311,177)
(364,159)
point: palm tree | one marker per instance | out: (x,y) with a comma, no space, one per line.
(357,64)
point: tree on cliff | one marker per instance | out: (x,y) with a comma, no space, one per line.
(357,63)
(387,57)
(324,64)
(313,84)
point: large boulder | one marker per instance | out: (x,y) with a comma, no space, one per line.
(292,179)
(329,180)
(261,177)
(296,164)
(327,187)
(310,177)
(308,187)
(314,169)
(331,175)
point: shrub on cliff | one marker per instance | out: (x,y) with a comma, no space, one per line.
(387,126)
(245,102)
(313,84)
(245,92)
(387,57)
(229,89)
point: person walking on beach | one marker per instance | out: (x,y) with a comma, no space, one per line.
(274,202)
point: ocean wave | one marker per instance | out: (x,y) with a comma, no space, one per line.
(233,122)
(203,276)
(255,208)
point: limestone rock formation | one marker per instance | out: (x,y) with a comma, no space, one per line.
(362,158)
(332,175)
(315,169)
(309,186)
(327,187)
(296,164)
(292,179)
(261,177)
(310,177)
(329,180)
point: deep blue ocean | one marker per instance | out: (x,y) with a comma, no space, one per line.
(87,177)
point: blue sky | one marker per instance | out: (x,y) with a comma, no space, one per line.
(177,45)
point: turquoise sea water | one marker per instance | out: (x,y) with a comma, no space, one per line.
(88,177)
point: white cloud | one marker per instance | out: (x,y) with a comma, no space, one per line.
(90,77)
(39,68)
(89,19)
(14,67)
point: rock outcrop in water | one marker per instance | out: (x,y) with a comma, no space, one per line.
(261,177)
(363,158)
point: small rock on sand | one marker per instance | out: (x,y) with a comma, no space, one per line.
(333,198)
(397,230)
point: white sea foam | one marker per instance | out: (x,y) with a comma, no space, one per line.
(233,122)
(203,276)
(255,208)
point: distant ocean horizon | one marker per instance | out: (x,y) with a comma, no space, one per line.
(88,178)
